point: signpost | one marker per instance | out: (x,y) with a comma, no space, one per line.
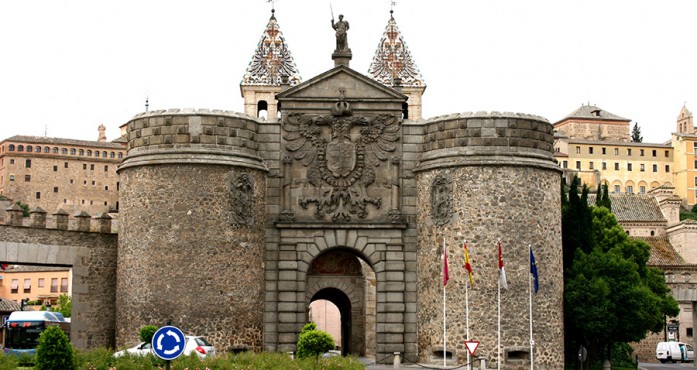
(168,343)
(472,346)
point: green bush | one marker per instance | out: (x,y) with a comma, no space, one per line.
(54,350)
(313,342)
(8,362)
(147,332)
(95,359)
(694,208)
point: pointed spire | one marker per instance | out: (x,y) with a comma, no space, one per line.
(393,60)
(271,60)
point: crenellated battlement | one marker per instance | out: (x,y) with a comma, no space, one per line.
(60,220)
(485,138)
(193,136)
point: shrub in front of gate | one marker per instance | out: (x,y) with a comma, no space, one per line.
(54,351)
(313,342)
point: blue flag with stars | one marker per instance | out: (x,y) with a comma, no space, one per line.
(533,271)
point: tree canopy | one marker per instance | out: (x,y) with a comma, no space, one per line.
(636,134)
(610,294)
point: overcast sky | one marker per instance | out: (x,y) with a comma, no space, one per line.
(67,66)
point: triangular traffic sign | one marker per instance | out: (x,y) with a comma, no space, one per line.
(472,346)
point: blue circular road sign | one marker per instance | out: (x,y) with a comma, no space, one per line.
(168,342)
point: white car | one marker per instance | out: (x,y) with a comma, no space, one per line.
(194,344)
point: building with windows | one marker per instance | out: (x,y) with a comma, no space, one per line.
(35,283)
(603,154)
(53,173)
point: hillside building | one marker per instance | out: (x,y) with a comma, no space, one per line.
(67,174)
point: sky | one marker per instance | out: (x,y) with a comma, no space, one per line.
(67,66)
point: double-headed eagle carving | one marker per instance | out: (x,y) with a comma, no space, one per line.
(341,154)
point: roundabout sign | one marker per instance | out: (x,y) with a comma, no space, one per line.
(168,342)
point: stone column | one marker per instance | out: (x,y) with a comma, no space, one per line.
(104,223)
(15,212)
(61,217)
(83,221)
(38,218)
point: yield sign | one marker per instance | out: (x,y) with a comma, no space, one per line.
(472,346)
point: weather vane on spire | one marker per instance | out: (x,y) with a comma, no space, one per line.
(273,5)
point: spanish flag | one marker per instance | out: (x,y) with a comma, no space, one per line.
(468,265)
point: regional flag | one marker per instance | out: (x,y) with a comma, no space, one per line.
(468,265)
(501,269)
(533,271)
(446,277)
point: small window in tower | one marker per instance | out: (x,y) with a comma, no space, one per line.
(565,164)
(12,177)
(106,168)
(667,168)
(55,150)
(642,190)
(30,148)
(617,151)
(604,166)
(27,178)
(641,152)
(55,189)
(405,110)
(591,165)
(653,153)
(112,155)
(262,109)
(84,166)
(64,151)
(20,148)
(72,151)
(27,163)
(629,166)
(38,195)
(655,168)
(65,164)
(11,148)
(578,150)
(47,150)
(629,152)
(604,150)
(120,155)
(55,168)
(92,167)
(89,153)
(81,152)
(641,167)
(590,150)
(667,155)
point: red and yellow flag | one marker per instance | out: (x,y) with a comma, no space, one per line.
(468,264)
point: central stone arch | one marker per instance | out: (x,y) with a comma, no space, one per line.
(340,277)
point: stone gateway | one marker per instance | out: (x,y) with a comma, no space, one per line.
(334,188)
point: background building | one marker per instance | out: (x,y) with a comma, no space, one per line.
(37,283)
(594,144)
(53,174)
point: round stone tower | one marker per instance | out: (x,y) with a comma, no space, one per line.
(485,177)
(192,218)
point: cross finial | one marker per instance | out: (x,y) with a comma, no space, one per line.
(392,5)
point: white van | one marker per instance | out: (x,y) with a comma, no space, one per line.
(674,352)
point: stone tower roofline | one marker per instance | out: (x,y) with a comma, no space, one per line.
(592,112)
(393,60)
(296,92)
(60,220)
(271,60)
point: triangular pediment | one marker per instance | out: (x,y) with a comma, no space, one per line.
(330,83)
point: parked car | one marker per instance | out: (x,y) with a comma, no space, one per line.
(674,352)
(194,344)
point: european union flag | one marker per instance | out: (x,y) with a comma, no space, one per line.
(533,271)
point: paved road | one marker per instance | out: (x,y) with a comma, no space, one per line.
(659,366)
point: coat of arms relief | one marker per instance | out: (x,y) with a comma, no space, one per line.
(341,154)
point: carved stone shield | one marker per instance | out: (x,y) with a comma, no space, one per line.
(341,156)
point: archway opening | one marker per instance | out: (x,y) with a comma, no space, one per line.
(342,303)
(343,278)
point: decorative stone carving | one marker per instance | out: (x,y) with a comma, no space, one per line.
(441,200)
(242,192)
(341,154)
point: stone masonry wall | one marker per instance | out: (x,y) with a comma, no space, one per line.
(92,257)
(183,257)
(191,246)
(483,178)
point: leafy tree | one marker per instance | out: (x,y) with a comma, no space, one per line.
(54,350)
(606,198)
(147,332)
(610,295)
(65,305)
(576,221)
(24,207)
(694,208)
(636,133)
(313,342)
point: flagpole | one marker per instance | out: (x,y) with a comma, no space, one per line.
(498,346)
(467,316)
(445,261)
(532,362)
